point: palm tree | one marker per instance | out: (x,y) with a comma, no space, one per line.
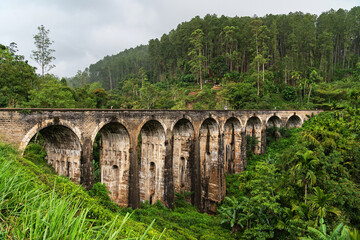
(235,212)
(305,170)
(340,232)
(320,203)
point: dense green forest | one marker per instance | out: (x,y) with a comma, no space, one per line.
(259,62)
(306,184)
(293,61)
(286,45)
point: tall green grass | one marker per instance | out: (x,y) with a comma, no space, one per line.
(29,210)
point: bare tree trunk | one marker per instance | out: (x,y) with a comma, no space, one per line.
(309,93)
(258,79)
(110,79)
(200,79)
(305,191)
(263,70)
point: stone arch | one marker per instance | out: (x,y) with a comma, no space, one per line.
(211,166)
(101,125)
(50,122)
(147,119)
(274,121)
(273,125)
(184,118)
(115,161)
(62,145)
(152,161)
(183,155)
(63,149)
(253,129)
(232,145)
(294,121)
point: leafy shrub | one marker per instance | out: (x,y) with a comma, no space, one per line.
(289,93)
(100,192)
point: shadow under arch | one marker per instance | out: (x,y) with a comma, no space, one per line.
(273,125)
(274,121)
(183,156)
(51,122)
(253,129)
(152,162)
(114,161)
(232,145)
(63,148)
(294,121)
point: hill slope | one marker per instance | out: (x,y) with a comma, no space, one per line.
(36,203)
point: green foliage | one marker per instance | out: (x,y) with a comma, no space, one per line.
(197,62)
(204,99)
(289,93)
(36,153)
(51,94)
(17,77)
(240,95)
(251,144)
(184,222)
(320,202)
(288,57)
(339,233)
(100,192)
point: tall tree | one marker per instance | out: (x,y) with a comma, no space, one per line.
(260,32)
(197,58)
(43,54)
(229,42)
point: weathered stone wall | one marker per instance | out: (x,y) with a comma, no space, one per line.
(114,161)
(63,151)
(152,164)
(183,141)
(148,154)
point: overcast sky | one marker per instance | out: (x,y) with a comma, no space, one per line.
(84,31)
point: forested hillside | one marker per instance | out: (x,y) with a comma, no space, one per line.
(285,45)
(293,61)
(259,62)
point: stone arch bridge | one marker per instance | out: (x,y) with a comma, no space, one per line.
(147,155)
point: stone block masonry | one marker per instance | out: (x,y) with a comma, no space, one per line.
(147,155)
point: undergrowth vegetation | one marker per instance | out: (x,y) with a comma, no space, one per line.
(306,180)
(38,205)
(184,222)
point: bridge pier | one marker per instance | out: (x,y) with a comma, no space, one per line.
(168,172)
(242,164)
(134,152)
(196,174)
(87,174)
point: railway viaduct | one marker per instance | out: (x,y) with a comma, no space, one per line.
(147,155)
